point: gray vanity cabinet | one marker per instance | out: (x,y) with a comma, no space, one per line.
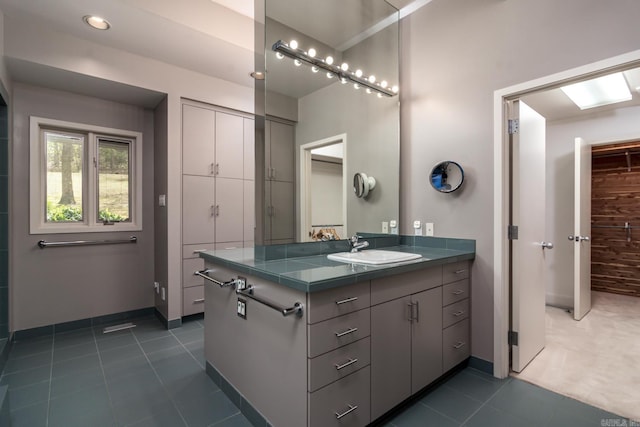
(406,336)
(456,345)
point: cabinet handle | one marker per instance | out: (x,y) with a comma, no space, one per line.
(410,305)
(459,271)
(212,169)
(348,411)
(273,173)
(347,300)
(213,210)
(198,301)
(344,365)
(417,311)
(458,292)
(458,313)
(197,251)
(347,332)
(458,345)
(217,169)
(217,210)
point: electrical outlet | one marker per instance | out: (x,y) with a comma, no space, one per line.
(156,286)
(162,200)
(163,294)
(417,228)
(429,229)
(385,227)
(394,226)
(241,283)
(242,308)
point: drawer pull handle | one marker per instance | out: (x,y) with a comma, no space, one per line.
(198,301)
(347,412)
(458,313)
(459,345)
(458,292)
(347,300)
(347,332)
(344,365)
(197,251)
(459,271)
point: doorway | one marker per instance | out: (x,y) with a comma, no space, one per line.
(503,201)
(323,184)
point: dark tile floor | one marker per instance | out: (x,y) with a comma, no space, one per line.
(148,376)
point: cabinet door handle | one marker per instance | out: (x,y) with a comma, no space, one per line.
(198,301)
(417,311)
(217,169)
(410,305)
(458,345)
(346,300)
(458,292)
(217,210)
(458,313)
(197,251)
(344,365)
(273,173)
(212,169)
(459,271)
(347,332)
(348,411)
(213,210)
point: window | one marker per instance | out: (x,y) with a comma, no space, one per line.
(84,178)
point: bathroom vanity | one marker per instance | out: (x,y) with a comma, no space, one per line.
(315,342)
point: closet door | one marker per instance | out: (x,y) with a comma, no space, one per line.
(198,141)
(198,209)
(229,210)
(229,145)
(281,152)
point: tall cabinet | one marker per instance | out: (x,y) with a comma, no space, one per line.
(279,182)
(217,190)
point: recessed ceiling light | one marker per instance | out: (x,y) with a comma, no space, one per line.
(96,22)
(599,91)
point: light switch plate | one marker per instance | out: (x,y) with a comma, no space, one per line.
(162,200)
(385,227)
(417,228)
(242,308)
(241,283)
(429,228)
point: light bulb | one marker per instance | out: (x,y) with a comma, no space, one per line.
(279,55)
(314,69)
(311,52)
(368,90)
(383,84)
(343,80)
(372,79)
(394,89)
(344,66)
(356,86)
(358,73)
(329,75)
(297,62)
(379,95)
(293,44)
(329,60)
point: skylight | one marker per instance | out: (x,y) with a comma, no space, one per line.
(598,92)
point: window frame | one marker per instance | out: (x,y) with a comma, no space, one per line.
(37,181)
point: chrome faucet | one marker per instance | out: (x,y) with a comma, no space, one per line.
(353,242)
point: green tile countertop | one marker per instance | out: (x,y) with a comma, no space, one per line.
(316,272)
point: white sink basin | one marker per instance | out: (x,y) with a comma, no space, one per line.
(373,257)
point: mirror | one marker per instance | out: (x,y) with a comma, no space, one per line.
(362,184)
(447,177)
(332,80)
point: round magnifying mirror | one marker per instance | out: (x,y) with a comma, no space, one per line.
(362,184)
(447,176)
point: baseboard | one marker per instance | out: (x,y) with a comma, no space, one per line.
(169,324)
(481,365)
(83,323)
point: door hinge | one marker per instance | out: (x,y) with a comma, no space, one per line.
(514,126)
(512,338)
(512,232)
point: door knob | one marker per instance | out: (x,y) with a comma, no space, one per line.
(579,238)
(585,238)
(546,245)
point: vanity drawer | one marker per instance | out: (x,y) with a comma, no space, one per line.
(192,300)
(454,292)
(338,363)
(193,251)
(456,271)
(189,266)
(455,312)
(336,302)
(347,399)
(456,345)
(392,287)
(333,333)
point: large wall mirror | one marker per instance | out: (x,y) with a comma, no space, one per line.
(327,109)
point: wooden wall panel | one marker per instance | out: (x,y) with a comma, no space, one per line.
(615,252)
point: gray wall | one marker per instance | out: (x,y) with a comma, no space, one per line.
(64,284)
(619,125)
(455,54)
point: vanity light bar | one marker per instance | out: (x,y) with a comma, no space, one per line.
(299,54)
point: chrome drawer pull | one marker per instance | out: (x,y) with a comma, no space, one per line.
(198,301)
(459,345)
(344,365)
(347,300)
(348,411)
(459,271)
(347,332)
(197,251)
(458,292)
(458,313)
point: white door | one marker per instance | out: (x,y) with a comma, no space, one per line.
(582,231)
(527,253)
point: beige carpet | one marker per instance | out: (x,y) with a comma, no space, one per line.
(595,360)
